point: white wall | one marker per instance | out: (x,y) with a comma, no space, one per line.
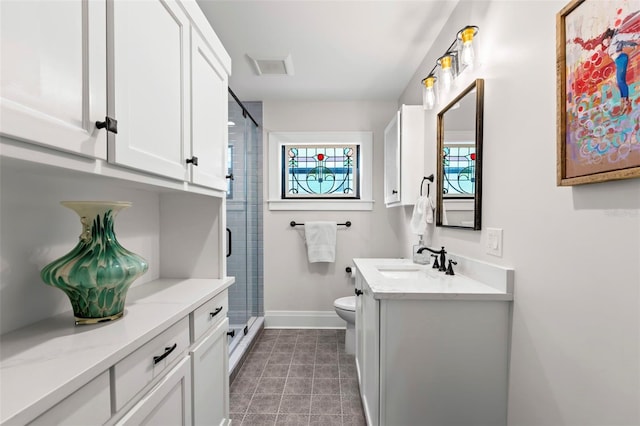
(290,282)
(575,357)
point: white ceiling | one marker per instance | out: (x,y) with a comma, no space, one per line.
(341,50)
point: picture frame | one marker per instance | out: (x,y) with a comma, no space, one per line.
(598,91)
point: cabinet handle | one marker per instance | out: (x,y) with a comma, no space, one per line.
(167,351)
(358,292)
(111,124)
(193,160)
(228,242)
(394,192)
(216,312)
(229,176)
(231,333)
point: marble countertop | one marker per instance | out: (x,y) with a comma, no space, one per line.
(403,279)
(42,363)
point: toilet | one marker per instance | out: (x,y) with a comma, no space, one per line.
(346,309)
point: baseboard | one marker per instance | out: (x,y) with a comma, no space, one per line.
(303,319)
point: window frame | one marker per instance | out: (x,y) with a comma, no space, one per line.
(275,166)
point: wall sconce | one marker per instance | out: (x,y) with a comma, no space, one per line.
(428,91)
(465,35)
(446,62)
(457,57)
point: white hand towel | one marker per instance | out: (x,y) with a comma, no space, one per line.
(418,222)
(321,241)
(430,207)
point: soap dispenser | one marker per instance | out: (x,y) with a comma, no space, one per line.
(420,258)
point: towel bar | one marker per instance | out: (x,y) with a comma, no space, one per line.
(293,223)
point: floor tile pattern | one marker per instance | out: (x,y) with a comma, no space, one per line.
(297,377)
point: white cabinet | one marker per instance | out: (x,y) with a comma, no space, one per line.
(154,68)
(148,86)
(209,113)
(136,370)
(168,403)
(432,362)
(53,74)
(53,90)
(210,366)
(404,156)
(168,92)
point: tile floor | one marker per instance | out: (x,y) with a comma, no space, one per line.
(297,377)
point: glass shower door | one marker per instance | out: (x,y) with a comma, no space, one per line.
(242,220)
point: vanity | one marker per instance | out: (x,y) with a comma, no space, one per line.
(432,349)
(165,361)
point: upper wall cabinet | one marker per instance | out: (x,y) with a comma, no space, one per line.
(168,92)
(404,156)
(53,74)
(153,73)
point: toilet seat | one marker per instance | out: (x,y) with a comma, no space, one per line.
(346,303)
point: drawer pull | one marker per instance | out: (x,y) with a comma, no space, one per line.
(167,351)
(216,312)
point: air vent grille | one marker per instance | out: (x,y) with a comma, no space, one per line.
(273,65)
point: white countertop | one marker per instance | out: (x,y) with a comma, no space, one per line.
(426,283)
(43,362)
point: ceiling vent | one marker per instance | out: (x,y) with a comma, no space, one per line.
(272,65)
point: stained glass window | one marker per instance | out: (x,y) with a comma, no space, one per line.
(459,170)
(320,171)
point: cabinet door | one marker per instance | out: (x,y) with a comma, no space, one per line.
(392,161)
(210,367)
(360,326)
(168,403)
(209,104)
(148,86)
(53,74)
(412,143)
(370,368)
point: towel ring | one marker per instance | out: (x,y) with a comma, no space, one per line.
(430,179)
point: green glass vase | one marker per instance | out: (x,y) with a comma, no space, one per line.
(98,272)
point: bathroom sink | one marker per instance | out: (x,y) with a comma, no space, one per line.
(400,272)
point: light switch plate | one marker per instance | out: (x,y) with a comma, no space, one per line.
(494,241)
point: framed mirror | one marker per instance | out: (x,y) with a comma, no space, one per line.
(459,177)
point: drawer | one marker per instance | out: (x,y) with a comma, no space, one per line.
(209,314)
(89,405)
(167,403)
(149,361)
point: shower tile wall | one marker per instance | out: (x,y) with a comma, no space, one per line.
(246,239)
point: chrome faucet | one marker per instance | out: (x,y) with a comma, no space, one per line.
(441,252)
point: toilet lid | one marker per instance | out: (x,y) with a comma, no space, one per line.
(346,303)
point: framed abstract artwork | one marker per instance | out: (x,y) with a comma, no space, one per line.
(598,72)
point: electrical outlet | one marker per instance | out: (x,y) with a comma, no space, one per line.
(494,241)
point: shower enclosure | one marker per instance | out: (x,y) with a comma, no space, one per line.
(244,229)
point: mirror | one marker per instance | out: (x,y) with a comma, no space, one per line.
(459,182)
